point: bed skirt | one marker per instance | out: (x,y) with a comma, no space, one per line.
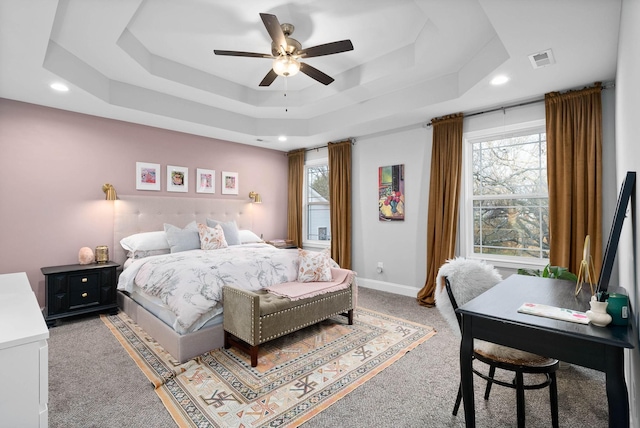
(182,347)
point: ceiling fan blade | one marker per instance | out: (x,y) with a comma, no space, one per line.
(269,78)
(238,53)
(327,49)
(275,31)
(316,74)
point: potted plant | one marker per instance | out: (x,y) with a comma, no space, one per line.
(549,271)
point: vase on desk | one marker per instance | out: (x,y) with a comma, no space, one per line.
(598,314)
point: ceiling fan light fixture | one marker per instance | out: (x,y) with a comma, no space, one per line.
(286,66)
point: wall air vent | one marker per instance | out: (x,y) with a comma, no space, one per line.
(542,59)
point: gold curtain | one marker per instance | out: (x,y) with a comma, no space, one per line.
(296,180)
(574,171)
(444,194)
(340,202)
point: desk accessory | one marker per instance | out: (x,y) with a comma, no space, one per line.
(598,313)
(586,271)
(618,308)
(554,312)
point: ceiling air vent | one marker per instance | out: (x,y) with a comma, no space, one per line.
(542,59)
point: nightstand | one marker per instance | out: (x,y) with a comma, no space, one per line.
(79,289)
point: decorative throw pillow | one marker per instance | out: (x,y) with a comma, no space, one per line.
(183,239)
(315,266)
(211,238)
(230,229)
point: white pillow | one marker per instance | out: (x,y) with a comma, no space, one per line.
(211,238)
(315,266)
(146,244)
(248,237)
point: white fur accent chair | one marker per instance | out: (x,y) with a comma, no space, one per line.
(467,279)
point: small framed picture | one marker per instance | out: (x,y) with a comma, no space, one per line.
(177,179)
(205,180)
(229,183)
(148,176)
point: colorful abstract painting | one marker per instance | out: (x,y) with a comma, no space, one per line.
(391,198)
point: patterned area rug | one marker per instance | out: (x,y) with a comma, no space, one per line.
(297,376)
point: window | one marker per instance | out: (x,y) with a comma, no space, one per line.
(507,208)
(317,223)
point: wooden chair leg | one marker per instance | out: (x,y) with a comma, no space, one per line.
(253,352)
(350,316)
(458,401)
(520,398)
(492,373)
(553,398)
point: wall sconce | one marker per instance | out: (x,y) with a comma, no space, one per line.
(255,197)
(109,191)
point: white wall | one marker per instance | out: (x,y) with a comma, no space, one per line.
(399,245)
(628,159)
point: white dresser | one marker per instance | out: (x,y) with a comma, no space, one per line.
(24,356)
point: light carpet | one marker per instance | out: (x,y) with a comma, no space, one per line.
(297,376)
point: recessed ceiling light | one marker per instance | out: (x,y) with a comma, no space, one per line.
(282,138)
(499,80)
(61,87)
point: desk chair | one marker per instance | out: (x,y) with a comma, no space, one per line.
(470,278)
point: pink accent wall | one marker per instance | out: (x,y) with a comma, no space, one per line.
(54,162)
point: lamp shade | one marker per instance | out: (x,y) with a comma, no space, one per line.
(286,66)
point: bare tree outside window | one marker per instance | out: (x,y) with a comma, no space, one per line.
(317,203)
(319,180)
(510,196)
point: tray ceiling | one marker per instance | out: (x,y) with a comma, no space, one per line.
(152,62)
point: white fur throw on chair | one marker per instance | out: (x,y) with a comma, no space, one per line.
(469,278)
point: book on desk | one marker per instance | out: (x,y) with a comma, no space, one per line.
(554,312)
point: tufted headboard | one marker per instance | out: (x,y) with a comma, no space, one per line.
(135,214)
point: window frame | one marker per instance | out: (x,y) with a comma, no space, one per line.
(465,239)
(314,243)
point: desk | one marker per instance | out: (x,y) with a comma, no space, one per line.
(494,316)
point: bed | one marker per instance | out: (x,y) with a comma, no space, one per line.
(137,214)
(153,289)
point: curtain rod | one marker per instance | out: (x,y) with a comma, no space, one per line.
(604,86)
(539,100)
(607,85)
(327,145)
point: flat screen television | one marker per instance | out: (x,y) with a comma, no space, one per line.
(616,228)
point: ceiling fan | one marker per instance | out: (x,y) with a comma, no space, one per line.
(286,52)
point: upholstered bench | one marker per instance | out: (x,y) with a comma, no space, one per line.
(252,318)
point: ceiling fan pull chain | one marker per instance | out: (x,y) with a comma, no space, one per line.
(286,100)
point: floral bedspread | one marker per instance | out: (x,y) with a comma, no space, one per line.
(190,283)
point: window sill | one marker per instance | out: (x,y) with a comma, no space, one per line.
(316,245)
(511,263)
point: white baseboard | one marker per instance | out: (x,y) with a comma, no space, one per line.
(389,287)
